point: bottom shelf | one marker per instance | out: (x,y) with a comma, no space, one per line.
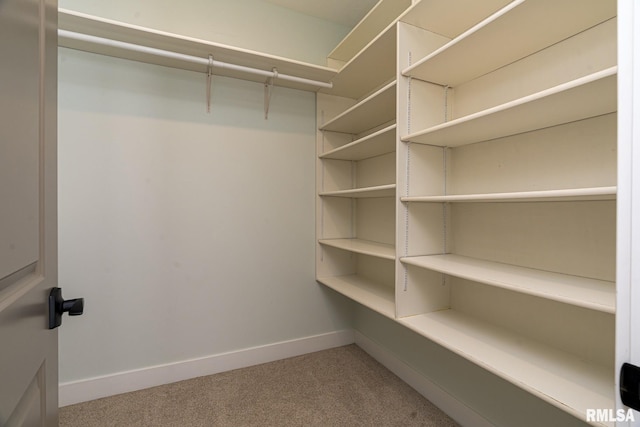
(371,294)
(559,378)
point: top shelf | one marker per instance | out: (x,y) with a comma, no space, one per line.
(384,13)
(432,15)
(520,29)
(105,28)
(436,16)
(375,63)
(372,67)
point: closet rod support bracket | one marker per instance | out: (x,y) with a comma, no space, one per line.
(268,90)
(209,81)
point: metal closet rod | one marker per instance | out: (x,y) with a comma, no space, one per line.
(188,58)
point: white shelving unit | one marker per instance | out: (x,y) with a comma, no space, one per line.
(487,155)
(356,166)
(518,168)
(357,140)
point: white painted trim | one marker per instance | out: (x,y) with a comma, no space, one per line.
(123,382)
(628,202)
(453,407)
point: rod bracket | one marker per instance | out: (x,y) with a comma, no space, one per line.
(209,80)
(268,90)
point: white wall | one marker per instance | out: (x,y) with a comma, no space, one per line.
(189,234)
(249,24)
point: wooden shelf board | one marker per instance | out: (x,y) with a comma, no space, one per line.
(559,378)
(375,62)
(589,96)
(521,28)
(366,192)
(106,28)
(436,16)
(376,144)
(381,16)
(371,68)
(579,291)
(562,195)
(374,110)
(432,15)
(365,247)
(373,295)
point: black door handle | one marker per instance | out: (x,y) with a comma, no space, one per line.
(58,306)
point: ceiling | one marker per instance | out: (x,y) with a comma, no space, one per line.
(343,12)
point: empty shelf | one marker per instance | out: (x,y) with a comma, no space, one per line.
(580,291)
(561,379)
(520,29)
(436,16)
(373,295)
(562,195)
(589,96)
(376,144)
(379,191)
(365,247)
(380,17)
(375,110)
(371,68)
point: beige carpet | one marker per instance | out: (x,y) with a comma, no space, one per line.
(337,387)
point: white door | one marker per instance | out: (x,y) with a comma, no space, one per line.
(28,258)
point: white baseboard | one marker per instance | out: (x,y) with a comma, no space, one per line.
(123,382)
(95,388)
(457,410)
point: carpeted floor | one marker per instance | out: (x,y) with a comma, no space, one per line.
(338,387)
